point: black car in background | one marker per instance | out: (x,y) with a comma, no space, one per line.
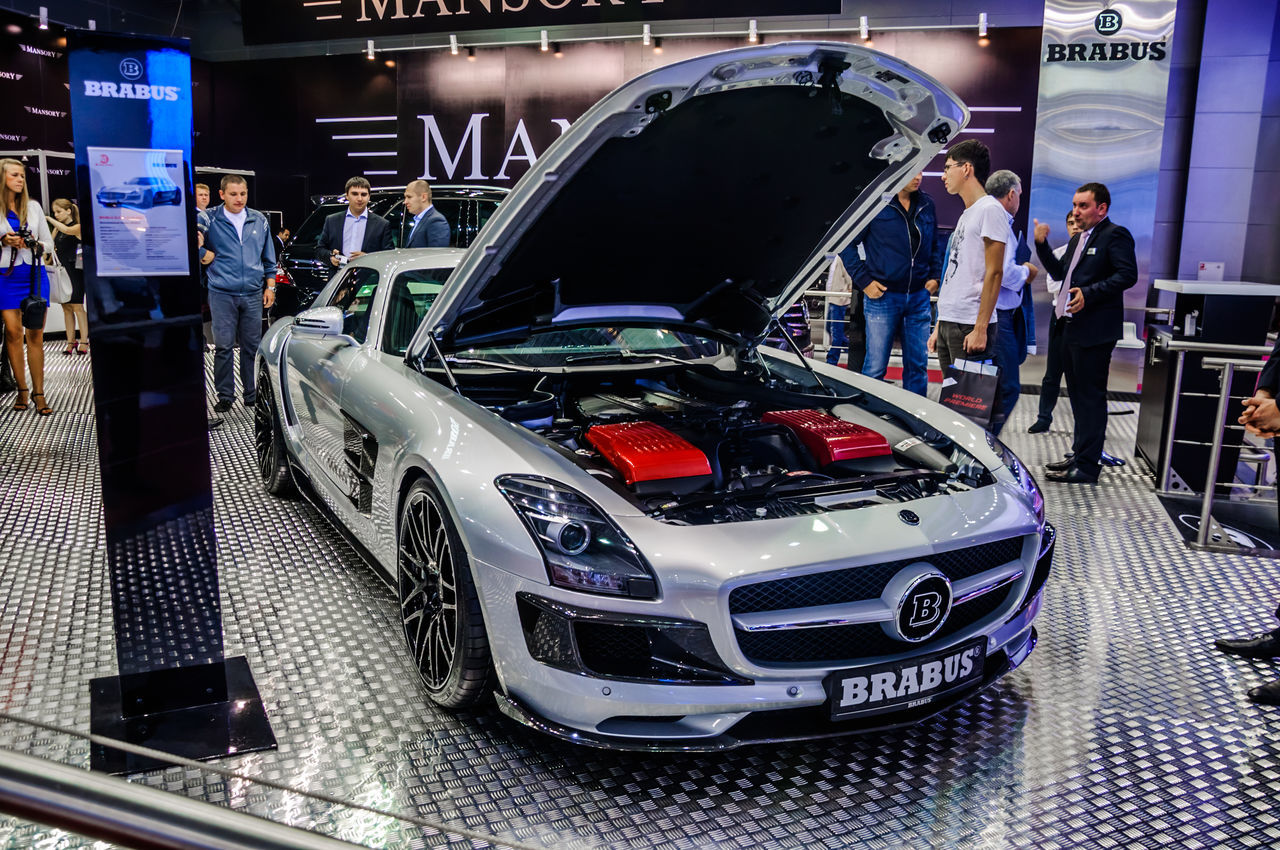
(300,276)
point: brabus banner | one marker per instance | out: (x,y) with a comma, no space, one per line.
(268,21)
(1104,77)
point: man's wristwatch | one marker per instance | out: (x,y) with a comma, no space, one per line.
(270,288)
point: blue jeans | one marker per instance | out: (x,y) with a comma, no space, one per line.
(836,340)
(907,315)
(1011,350)
(232,315)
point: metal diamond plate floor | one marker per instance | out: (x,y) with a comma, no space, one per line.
(1123,729)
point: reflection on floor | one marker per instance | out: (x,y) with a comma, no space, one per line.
(1123,729)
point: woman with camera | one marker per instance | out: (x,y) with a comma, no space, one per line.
(66,221)
(22,231)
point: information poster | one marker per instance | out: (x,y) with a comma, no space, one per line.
(139,212)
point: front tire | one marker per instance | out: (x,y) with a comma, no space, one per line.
(439,608)
(268,443)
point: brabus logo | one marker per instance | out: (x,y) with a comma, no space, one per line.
(1108,22)
(130,68)
(926,609)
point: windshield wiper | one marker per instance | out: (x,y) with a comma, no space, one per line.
(506,367)
(625,355)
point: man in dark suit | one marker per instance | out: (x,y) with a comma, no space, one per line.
(424,226)
(354,232)
(1097,267)
(1261,417)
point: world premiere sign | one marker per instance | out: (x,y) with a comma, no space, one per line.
(273,21)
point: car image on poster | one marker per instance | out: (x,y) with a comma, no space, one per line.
(139,212)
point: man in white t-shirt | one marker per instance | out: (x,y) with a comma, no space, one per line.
(971,281)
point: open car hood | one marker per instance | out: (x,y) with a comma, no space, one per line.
(706,194)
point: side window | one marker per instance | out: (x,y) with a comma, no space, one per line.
(355,296)
(395,218)
(411,296)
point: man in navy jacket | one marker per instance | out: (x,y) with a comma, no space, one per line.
(237,250)
(898,277)
(424,225)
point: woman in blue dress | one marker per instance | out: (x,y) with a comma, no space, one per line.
(15,282)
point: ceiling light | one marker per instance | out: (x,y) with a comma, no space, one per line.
(648,35)
(390,63)
(864,28)
(657,45)
(93,25)
(453,45)
(982,25)
(471,54)
(44,17)
(545,45)
(368,50)
(753,32)
(555,49)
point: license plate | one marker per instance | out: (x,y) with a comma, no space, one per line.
(905,684)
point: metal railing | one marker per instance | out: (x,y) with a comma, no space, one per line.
(1180,348)
(1226,369)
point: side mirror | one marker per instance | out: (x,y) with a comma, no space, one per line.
(321,321)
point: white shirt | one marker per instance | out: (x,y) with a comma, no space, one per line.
(1055,285)
(1015,275)
(238,219)
(961,292)
(353,232)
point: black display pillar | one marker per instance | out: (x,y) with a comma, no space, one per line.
(176,691)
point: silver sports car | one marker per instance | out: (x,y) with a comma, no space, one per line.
(601,500)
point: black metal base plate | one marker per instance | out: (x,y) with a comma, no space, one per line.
(200,731)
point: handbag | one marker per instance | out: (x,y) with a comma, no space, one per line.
(59,281)
(34,307)
(969,389)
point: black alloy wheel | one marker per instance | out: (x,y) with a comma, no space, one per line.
(268,442)
(443,625)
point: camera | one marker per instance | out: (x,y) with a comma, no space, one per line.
(30,241)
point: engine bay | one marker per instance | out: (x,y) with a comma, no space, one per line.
(690,447)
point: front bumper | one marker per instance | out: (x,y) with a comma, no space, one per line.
(580,698)
(783,725)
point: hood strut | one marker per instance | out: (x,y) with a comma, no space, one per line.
(804,361)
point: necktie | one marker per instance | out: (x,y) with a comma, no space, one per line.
(1060,305)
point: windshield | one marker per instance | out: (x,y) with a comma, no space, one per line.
(590,346)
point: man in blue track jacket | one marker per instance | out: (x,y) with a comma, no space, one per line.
(898,277)
(235,245)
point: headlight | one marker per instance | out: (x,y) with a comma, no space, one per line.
(1021,473)
(583,549)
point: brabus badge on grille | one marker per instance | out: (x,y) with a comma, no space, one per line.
(920,597)
(909,517)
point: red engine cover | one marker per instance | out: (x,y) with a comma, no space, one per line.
(643,451)
(828,437)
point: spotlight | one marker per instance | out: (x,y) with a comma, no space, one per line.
(657,46)
(982,25)
(44,17)
(864,28)
(93,25)
(368,50)
(453,45)
(471,54)
(544,41)
(648,35)
(753,32)
(390,63)
(984,42)
(555,50)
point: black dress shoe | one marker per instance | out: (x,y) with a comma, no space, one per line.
(1039,426)
(1265,645)
(222,405)
(1060,465)
(1268,694)
(1074,475)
